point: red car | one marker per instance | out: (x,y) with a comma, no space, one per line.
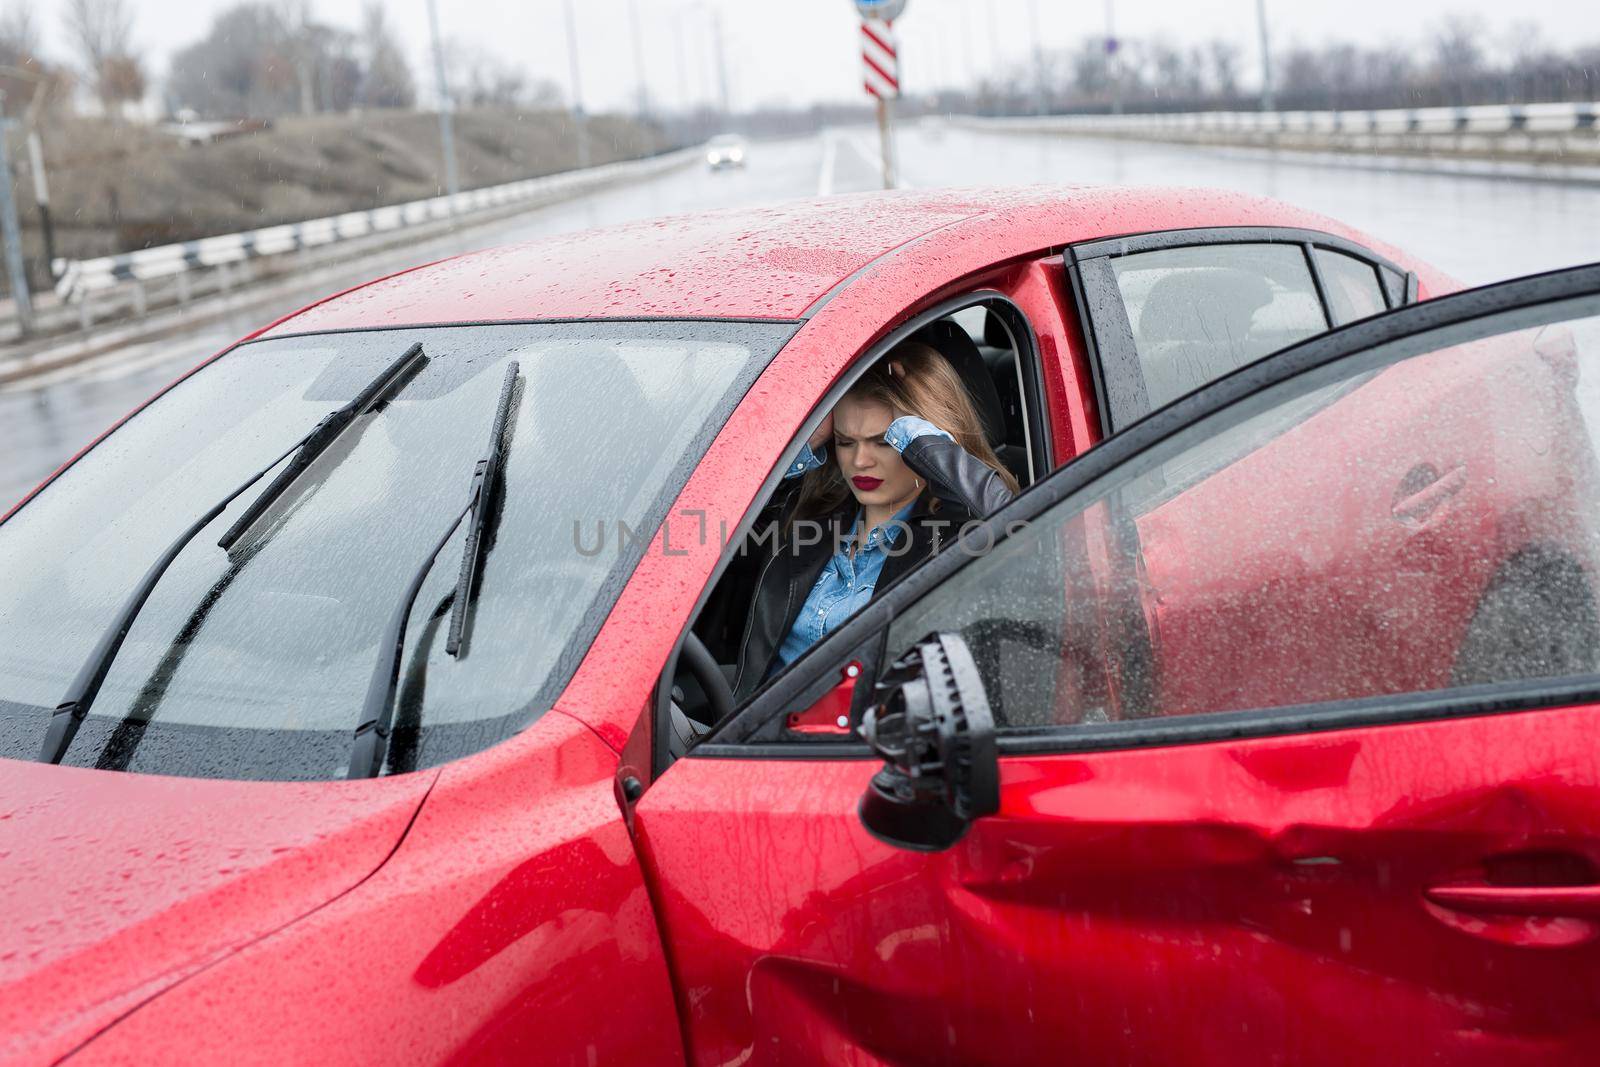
(362,704)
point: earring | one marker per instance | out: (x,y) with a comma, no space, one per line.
(919,484)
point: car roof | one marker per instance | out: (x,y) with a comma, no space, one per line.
(774,262)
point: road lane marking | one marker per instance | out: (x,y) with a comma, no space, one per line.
(830,156)
(874,158)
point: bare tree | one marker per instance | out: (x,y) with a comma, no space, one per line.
(267,60)
(1458,48)
(485,80)
(122,78)
(19,33)
(1224,56)
(28,83)
(1341,64)
(1524,44)
(386,80)
(1088,70)
(1301,73)
(1175,73)
(101,33)
(296,34)
(237,70)
(1457,66)
(1390,70)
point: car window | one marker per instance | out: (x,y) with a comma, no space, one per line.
(254,665)
(1198,313)
(1382,525)
(994,382)
(1353,286)
(1398,288)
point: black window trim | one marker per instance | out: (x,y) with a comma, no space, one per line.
(1398,289)
(1380,274)
(1027,341)
(742,738)
(1109,338)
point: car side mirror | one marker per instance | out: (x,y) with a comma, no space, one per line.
(931,723)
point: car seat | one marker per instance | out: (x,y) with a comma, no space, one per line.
(1194,327)
(954,343)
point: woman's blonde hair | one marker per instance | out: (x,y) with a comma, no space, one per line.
(928,387)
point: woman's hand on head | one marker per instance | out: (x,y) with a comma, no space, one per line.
(823,433)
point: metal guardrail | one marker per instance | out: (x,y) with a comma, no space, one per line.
(78,278)
(1484,119)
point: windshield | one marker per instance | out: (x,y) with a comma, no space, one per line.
(254,664)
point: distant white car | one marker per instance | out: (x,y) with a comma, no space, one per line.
(726,150)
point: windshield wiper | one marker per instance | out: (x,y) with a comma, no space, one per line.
(485,477)
(74,706)
(323,435)
(377,711)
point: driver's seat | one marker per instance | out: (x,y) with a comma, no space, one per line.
(953,342)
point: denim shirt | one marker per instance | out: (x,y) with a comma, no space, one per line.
(843,588)
(847,582)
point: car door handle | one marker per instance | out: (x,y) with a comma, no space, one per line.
(1424,491)
(1570,901)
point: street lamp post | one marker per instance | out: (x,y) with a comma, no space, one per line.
(1038,58)
(995,61)
(1267,103)
(1113,68)
(447,133)
(30,126)
(722,59)
(11,234)
(638,60)
(967,46)
(41,197)
(685,96)
(581,123)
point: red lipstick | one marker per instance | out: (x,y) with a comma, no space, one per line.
(865,484)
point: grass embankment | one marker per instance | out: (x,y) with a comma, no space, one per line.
(116,187)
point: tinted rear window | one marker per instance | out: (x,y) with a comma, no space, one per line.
(1200,313)
(1353,286)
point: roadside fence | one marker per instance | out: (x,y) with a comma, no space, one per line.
(1484,119)
(1557,142)
(224,261)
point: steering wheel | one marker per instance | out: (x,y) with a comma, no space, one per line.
(706,671)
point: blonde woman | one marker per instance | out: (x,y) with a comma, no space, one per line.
(892,474)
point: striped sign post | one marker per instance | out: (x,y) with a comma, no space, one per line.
(880,61)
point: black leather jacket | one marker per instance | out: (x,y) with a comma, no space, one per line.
(966,489)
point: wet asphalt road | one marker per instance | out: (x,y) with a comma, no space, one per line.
(1478,229)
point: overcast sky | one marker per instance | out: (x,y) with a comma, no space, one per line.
(806,50)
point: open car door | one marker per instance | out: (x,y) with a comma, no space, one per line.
(1262,733)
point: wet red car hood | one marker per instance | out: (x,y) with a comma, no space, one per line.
(118,886)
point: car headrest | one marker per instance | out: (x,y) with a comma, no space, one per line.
(1203,305)
(995,334)
(957,346)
